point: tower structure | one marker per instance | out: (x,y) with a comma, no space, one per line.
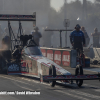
(41,7)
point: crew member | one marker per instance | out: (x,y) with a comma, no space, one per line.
(96,38)
(36,35)
(6,31)
(1,32)
(47,36)
(77,38)
(6,42)
(87,39)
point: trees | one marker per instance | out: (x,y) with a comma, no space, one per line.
(75,10)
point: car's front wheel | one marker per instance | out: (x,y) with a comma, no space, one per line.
(79,71)
(52,71)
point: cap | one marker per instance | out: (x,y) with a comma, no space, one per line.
(77,26)
(36,28)
(95,29)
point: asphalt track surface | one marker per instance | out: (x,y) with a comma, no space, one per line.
(89,91)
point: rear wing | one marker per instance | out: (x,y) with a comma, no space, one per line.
(13,17)
(7,17)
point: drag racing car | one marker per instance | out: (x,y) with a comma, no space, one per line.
(25,58)
(32,62)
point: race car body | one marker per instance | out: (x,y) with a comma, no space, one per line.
(34,63)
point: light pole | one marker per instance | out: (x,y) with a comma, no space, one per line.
(65,16)
(84,10)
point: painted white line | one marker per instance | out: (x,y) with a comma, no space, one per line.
(85,94)
(24,79)
(35,81)
(16,80)
(23,87)
(30,80)
(21,82)
(91,85)
(67,93)
(72,95)
(97,90)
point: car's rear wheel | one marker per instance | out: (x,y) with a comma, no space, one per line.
(52,71)
(3,65)
(79,71)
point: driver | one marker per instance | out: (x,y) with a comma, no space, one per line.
(77,38)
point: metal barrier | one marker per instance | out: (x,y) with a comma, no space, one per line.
(62,57)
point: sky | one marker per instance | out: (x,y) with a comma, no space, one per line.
(58,3)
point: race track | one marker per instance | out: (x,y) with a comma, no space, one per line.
(89,91)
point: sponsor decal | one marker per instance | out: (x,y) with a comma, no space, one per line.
(50,54)
(13,67)
(23,63)
(24,69)
(48,65)
(57,57)
(72,77)
(66,58)
(43,52)
(46,77)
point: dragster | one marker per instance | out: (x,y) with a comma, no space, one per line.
(25,57)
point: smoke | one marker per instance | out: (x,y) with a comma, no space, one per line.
(87,15)
(41,7)
(3,46)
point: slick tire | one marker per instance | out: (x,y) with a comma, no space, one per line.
(79,71)
(3,66)
(52,71)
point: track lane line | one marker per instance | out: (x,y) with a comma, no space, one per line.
(84,94)
(72,95)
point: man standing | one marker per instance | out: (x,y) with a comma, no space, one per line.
(36,35)
(96,38)
(6,31)
(1,32)
(77,38)
(87,39)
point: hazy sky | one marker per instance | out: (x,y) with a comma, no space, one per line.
(58,3)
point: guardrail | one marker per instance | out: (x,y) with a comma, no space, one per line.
(62,57)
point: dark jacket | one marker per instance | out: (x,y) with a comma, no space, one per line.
(77,37)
